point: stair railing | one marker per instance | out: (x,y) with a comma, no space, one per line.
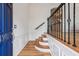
(57,23)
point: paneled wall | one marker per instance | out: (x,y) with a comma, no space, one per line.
(59,49)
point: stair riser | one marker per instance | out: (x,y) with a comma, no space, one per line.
(42,50)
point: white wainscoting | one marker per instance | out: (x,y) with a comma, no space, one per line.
(59,49)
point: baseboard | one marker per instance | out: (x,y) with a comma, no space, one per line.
(21,49)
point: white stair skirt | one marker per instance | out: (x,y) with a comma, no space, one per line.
(42,49)
(45,39)
(43,43)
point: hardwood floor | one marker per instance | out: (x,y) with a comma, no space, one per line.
(29,50)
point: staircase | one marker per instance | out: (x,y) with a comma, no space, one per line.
(39,47)
(42,44)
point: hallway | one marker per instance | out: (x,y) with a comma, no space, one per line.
(39,29)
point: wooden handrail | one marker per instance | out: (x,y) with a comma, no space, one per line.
(57,9)
(39,25)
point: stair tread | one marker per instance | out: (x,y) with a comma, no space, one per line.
(29,50)
(41,46)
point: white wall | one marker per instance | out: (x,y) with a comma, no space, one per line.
(27,17)
(38,14)
(20,18)
(77,17)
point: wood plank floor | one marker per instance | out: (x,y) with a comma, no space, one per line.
(29,50)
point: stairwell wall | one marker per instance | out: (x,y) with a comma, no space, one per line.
(38,14)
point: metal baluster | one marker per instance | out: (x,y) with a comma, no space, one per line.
(48,25)
(52,28)
(61,22)
(51,24)
(65,23)
(69,20)
(57,25)
(74,39)
(54,25)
